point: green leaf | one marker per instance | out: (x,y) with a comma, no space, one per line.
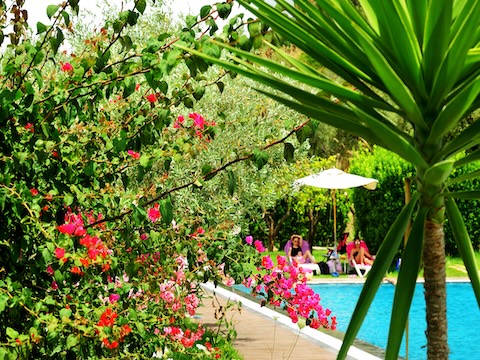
(41,28)
(405,287)
(188,102)
(439,172)
(145,161)
(139,215)
(51,10)
(464,195)
(11,333)
(384,258)
(166,209)
(261,158)
(132,17)
(141,5)
(224,9)
(232,182)
(120,144)
(3,302)
(464,245)
(72,340)
(288,152)
(205,11)
(199,92)
(206,169)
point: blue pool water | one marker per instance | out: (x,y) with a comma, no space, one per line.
(462,312)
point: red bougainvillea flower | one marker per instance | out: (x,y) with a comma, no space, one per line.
(73,225)
(34,192)
(110,345)
(133,154)
(54,285)
(137,87)
(54,153)
(67,67)
(154,213)
(107,318)
(59,253)
(152,98)
(76,270)
(30,127)
(179,122)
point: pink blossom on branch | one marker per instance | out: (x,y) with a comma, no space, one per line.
(179,122)
(249,240)
(154,213)
(133,154)
(67,67)
(152,98)
(259,246)
(59,253)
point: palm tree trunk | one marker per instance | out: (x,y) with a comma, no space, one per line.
(435,291)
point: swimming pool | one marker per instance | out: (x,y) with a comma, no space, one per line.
(462,313)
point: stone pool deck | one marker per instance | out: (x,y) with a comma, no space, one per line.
(265,334)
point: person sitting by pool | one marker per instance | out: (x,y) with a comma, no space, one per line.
(295,252)
(360,254)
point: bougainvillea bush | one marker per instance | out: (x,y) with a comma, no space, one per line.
(97,261)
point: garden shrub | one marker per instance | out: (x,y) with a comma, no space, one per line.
(376,210)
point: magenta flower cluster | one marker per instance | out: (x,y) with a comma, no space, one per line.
(285,286)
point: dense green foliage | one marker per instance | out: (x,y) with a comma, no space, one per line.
(401,75)
(375,210)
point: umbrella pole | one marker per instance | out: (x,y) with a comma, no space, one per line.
(334,221)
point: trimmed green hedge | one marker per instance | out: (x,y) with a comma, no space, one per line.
(376,210)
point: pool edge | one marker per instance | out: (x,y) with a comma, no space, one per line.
(327,340)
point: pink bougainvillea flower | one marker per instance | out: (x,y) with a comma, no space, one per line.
(34,192)
(133,154)
(152,98)
(30,127)
(144,236)
(179,122)
(68,229)
(267,262)
(67,67)
(259,246)
(113,298)
(249,240)
(154,213)
(54,285)
(198,120)
(59,253)
(49,270)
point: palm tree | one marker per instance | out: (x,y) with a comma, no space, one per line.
(415,60)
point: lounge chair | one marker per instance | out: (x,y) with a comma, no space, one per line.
(313,267)
(361,269)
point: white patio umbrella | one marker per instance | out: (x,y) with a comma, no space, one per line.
(336,179)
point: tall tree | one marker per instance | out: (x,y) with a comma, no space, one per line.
(414,61)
